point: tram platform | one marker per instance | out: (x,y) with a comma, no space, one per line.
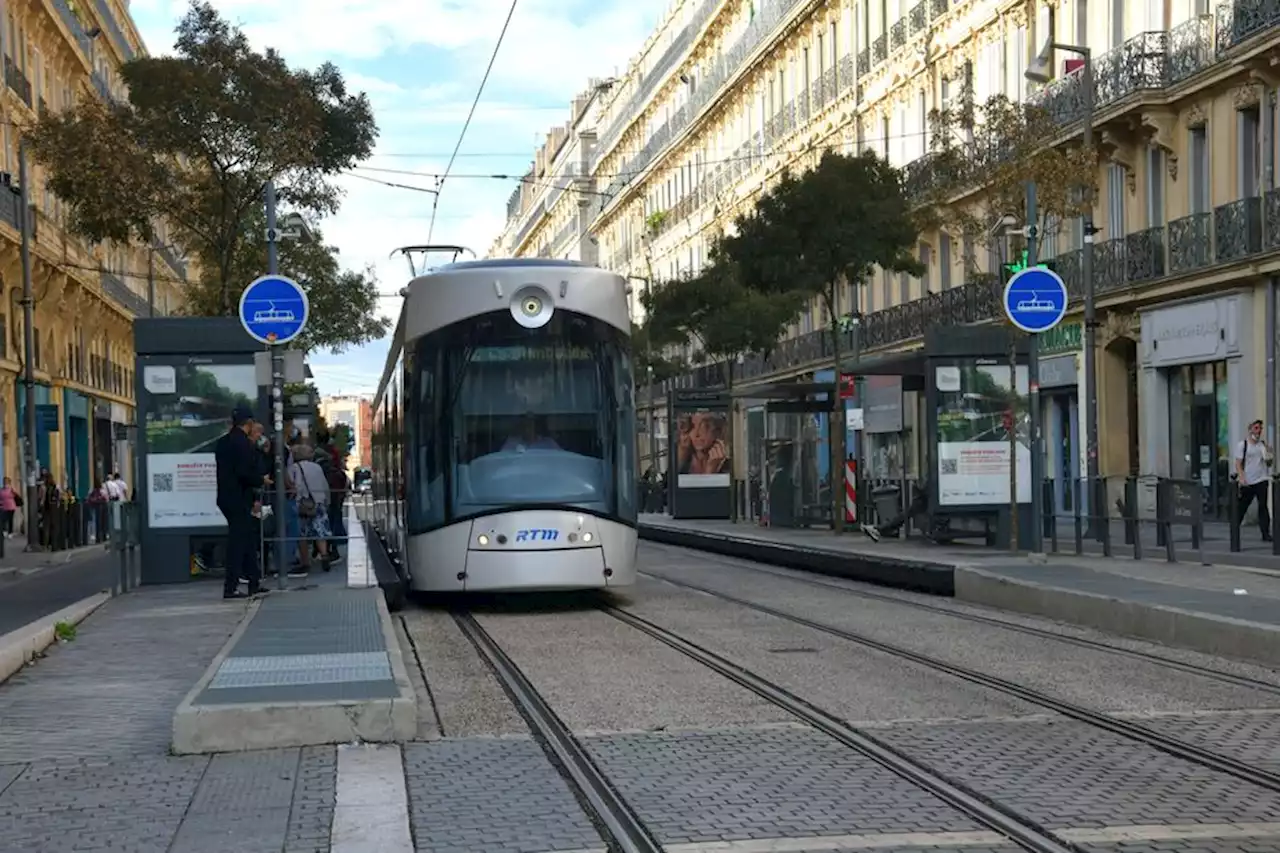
(1225,610)
(311,665)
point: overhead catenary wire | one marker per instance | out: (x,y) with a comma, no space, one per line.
(502,34)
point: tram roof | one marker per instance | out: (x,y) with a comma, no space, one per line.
(512,263)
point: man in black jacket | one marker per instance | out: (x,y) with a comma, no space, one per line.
(239,475)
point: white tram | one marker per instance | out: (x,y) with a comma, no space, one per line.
(504,430)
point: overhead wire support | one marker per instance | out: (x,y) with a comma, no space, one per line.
(435,204)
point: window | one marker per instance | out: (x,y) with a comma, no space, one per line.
(1117,178)
(1155,161)
(944,260)
(1198,182)
(1249,171)
(926,258)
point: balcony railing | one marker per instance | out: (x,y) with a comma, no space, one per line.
(74,25)
(17,81)
(1233,233)
(1240,20)
(171,258)
(116,289)
(113,27)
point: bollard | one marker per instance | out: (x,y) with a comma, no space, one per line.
(1233,511)
(1104,515)
(1050,515)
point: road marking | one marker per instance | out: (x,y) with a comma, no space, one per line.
(880,841)
(371,814)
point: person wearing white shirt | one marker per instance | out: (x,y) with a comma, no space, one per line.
(115,488)
(1253,470)
(311,497)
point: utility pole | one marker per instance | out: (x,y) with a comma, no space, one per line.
(277,399)
(1033,387)
(31,510)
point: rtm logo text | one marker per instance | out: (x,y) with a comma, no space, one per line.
(537,535)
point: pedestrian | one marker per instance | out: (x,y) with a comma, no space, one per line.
(8,507)
(1253,473)
(311,497)
(239,475)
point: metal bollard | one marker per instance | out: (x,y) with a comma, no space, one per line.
(1233,512)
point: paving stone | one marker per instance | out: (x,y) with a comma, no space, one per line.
(762,783)
(485,795)
(314,796)
(242,803)
(112,691)
(1062,773)
(1250,737)
(1199,845)
(72,806)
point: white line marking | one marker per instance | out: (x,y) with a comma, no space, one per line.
(372,810)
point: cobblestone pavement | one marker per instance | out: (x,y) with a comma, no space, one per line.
(84,736)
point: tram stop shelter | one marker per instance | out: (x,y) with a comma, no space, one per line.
(971,405)
(191,372)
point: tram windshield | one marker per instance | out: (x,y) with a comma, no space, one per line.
(515,417)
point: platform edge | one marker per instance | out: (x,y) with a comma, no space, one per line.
(21,645)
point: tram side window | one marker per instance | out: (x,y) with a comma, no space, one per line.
(427,451)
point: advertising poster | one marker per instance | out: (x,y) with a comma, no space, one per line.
(976,407)
(190,410)
(702,449)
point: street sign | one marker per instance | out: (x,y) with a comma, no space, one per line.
(273,309)
(1035,299)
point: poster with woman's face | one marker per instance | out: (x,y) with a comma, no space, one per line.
(702,450)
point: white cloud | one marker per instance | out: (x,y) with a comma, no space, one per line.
(420,64)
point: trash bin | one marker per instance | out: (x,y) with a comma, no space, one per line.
(888,502)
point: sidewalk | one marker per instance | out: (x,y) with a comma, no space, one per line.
(1226,610)
(86,731)
(18,562)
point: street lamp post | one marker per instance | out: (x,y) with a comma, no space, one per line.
(1041,71)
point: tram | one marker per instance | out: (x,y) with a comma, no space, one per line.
(504,429)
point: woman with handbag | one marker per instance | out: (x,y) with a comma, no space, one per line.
(311,497)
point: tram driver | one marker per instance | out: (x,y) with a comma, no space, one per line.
(533,435)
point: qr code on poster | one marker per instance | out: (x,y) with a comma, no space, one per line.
(162,482)
(947,466)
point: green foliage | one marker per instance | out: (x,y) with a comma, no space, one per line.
(724,318)
(647,355)
(344,439)
(202,133)
(834,223)
(344,303)
(982,159)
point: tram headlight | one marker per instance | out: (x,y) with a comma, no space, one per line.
(483,540)
(532,306)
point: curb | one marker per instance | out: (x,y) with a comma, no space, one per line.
(20,646)
(203,729)
(882,570)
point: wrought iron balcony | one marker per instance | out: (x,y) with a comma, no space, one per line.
(116,289)
(117,36)
(74,25)
(898,34)
(918,17)
(1237,230)
(1190,48)
(17,81)
(1140,64)
(864,62)
(938,8)
(879,49)
(1237,21)
(1190,244)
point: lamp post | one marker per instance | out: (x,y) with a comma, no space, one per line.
(1041,71)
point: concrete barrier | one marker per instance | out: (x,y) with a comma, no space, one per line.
(207,728)
(20,646)
(1170,626)
(883,570)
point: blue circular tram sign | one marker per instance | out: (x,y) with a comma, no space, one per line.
(273,309)
(1035,299)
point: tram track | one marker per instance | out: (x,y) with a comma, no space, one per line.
(979,619)
(625,830)
(1123,728)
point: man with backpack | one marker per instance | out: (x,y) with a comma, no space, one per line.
(1253,471)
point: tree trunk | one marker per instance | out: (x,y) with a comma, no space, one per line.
(835,422)
(729,442)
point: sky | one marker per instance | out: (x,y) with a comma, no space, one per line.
(421,62)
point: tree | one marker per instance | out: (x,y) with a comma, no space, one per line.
(984,155)
(344,440)
(343,303)
(811,233)
(197,141)
(648,346)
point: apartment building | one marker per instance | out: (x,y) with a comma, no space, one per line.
(550,211)
(356,412)
(727,93)
(56,53)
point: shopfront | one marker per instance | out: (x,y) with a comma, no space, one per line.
(76,408)
(1198,390)
(103,443)
(1060,356)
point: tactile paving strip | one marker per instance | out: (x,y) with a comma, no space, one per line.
(293,670)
